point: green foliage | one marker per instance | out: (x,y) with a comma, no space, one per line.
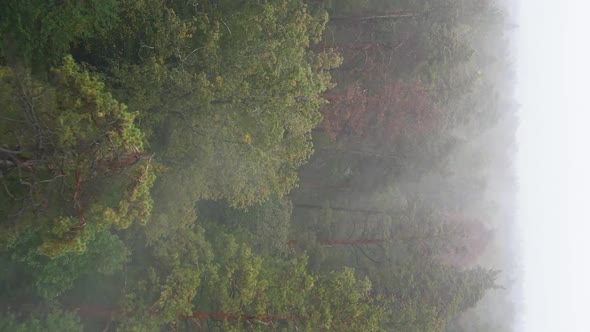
(234,281)
(88,113)
(148,147)
(344,303)
(266,226)
(65,139)
(247,287)
(104,255)
(56,320)
(135,204)
(49,278)
(42,31)
(164,286)
(238,90)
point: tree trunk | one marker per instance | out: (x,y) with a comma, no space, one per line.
(368,16)
(342,209)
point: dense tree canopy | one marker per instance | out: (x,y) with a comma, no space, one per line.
(244,165)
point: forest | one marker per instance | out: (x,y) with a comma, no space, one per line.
(255,165)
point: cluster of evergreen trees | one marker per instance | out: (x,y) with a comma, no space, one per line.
(151,159)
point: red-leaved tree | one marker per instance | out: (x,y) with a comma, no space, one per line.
(397,109)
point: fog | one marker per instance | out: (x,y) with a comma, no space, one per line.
(317,165)
(552,216)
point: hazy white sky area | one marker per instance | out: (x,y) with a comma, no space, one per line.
(553,163)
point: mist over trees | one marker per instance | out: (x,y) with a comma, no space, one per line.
(255,165)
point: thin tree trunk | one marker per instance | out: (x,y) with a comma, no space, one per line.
(343,209)
(375,16)
(221,316)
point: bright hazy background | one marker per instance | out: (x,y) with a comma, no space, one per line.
(553,163)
